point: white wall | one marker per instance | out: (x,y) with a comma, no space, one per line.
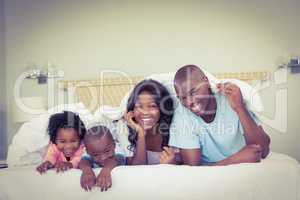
(3,133)
(139,37)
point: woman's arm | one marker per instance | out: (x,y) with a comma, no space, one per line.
(140,152)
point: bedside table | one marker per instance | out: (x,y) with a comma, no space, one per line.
(3,164)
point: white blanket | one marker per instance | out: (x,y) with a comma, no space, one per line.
(276,178)
(29,143)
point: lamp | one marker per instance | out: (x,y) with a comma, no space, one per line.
(28,107)
(42,74)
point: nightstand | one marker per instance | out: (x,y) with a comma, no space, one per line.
(3,164)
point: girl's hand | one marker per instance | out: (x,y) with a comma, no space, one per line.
(167,156)
(42,168)
(129,118)
(87,179)
(63,166)
(104,179)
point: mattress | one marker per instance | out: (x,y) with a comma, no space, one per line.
(275,178)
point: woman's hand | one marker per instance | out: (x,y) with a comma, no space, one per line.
(42,168)
(129,118)
(63,166)
(167,156)
(104,179)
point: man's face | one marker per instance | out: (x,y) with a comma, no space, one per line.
(195,95)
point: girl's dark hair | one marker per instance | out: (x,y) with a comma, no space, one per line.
(162,99)
(65,119)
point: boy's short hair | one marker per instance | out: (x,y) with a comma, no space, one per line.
(98,131)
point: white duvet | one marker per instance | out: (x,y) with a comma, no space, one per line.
(276,178)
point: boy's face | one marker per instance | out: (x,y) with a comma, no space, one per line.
(100,148)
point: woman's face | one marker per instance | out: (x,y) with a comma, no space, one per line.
(146,112)
(67,141)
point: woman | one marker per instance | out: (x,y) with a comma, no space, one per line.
(149,114)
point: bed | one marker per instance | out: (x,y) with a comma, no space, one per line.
(277,177)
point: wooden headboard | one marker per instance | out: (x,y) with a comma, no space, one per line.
(110,91)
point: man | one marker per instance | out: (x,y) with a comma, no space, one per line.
(214,128)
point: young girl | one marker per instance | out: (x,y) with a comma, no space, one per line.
(66,131)
(149,114)
(102,151)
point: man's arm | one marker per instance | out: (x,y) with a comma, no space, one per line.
(248,154)
(253,133)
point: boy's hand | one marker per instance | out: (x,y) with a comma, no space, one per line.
(167,156)
(63,166)
(233,94)
(104,179)
(42,168)
(87,179)
(249,154)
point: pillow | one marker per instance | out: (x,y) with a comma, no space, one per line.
(250,95)
(29,143)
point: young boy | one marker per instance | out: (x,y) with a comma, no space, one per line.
(100,148)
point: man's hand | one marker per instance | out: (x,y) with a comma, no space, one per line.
(167,156)
(249,154)
(104,179)
(87,179)
(63,166)
(42,168)
(233,94)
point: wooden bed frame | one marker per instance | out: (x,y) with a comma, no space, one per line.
(89,92)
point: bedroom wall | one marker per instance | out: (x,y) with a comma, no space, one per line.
(140,38)
(3,133)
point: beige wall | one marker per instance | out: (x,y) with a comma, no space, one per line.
(3,96)
(144,37)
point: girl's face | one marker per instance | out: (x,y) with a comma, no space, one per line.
(100,148)
(146,112)
(67,141)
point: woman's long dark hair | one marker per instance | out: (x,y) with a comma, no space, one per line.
(164,102)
